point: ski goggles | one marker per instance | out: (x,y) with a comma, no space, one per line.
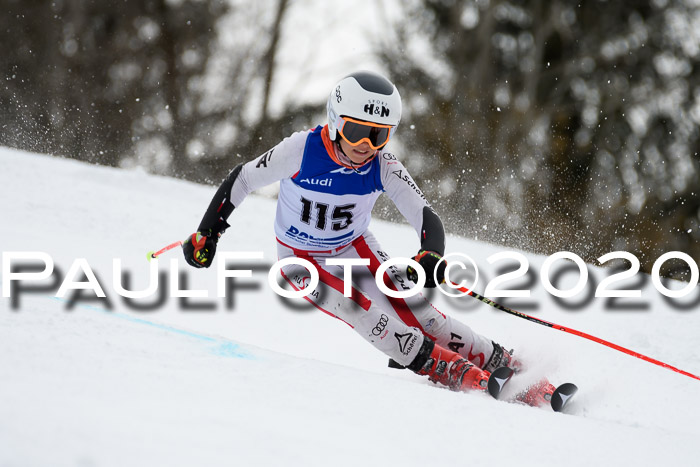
(356,131)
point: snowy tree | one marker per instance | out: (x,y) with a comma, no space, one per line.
(556,125)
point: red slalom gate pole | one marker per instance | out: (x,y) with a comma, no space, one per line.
(573,331)
(154,254)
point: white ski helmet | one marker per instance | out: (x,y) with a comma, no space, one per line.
(365,96)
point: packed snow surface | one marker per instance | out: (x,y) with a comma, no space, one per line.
(250,379)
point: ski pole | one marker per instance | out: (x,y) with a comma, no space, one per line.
(572,331)
(154,254)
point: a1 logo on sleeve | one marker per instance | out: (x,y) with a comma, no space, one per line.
(264,159)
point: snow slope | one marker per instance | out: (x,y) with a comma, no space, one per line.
(261,382)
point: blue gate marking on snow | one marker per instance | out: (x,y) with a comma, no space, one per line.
(225,348)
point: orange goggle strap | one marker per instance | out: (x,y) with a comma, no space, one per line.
(340,125)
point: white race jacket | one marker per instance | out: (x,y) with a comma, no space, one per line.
(323,205)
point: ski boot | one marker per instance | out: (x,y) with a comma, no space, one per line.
(538,394)
(449,368)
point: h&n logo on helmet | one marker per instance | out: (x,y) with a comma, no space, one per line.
(377,108)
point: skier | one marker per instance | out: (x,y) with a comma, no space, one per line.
(330,177)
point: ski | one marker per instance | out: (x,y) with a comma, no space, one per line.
(498,379)
(562,395)
(539,394)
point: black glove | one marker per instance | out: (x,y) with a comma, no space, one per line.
(199,249)
(429,261)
